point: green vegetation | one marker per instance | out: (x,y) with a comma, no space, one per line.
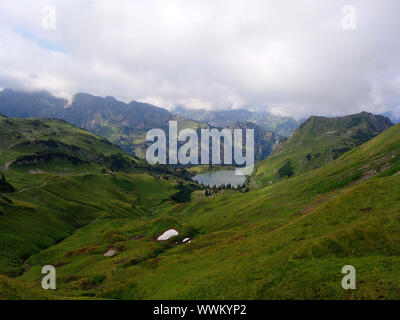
(286,170)
(315,143)
(184,192)
(285,240)
(5,187)
(11,289)
(64,183)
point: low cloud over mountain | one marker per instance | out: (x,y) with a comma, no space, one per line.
(286,58)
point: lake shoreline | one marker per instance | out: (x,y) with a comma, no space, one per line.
(219,178)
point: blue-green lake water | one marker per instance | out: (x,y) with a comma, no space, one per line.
(218,178)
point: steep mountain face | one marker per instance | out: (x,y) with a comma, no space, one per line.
(125,125)
(40,104)
(318,141)
(283,126)
(97,114)
(86,111)
(121,123)
(265,142)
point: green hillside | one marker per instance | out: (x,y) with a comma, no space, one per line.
(289,240)
(56,178)
(53,146)
(316,142)
(11,289)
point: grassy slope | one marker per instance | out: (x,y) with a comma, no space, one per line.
(39,218)
(56,197)
(288,240)
(27,137)
(11,289)
(316,142)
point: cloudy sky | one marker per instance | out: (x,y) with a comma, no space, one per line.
(292,57)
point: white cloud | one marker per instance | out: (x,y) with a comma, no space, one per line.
(285,57)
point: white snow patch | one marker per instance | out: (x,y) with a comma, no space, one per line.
(110,253)
(168,234)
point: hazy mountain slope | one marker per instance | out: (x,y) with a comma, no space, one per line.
(264,141)
(283,126)
(39,104)
(86,111)
(394,117)
(316,142)
(123,124)
(97,114)
(285,241)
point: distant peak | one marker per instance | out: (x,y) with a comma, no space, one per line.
(83,94)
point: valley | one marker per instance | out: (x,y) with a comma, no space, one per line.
(199,159)
(78,197)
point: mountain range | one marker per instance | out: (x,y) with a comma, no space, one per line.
(123,124)
(283,126)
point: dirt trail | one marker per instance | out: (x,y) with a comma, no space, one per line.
(6,165)
(37,187)
(12,145)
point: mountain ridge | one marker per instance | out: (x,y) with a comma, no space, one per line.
(283,126)
(124,124)
(316,142)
